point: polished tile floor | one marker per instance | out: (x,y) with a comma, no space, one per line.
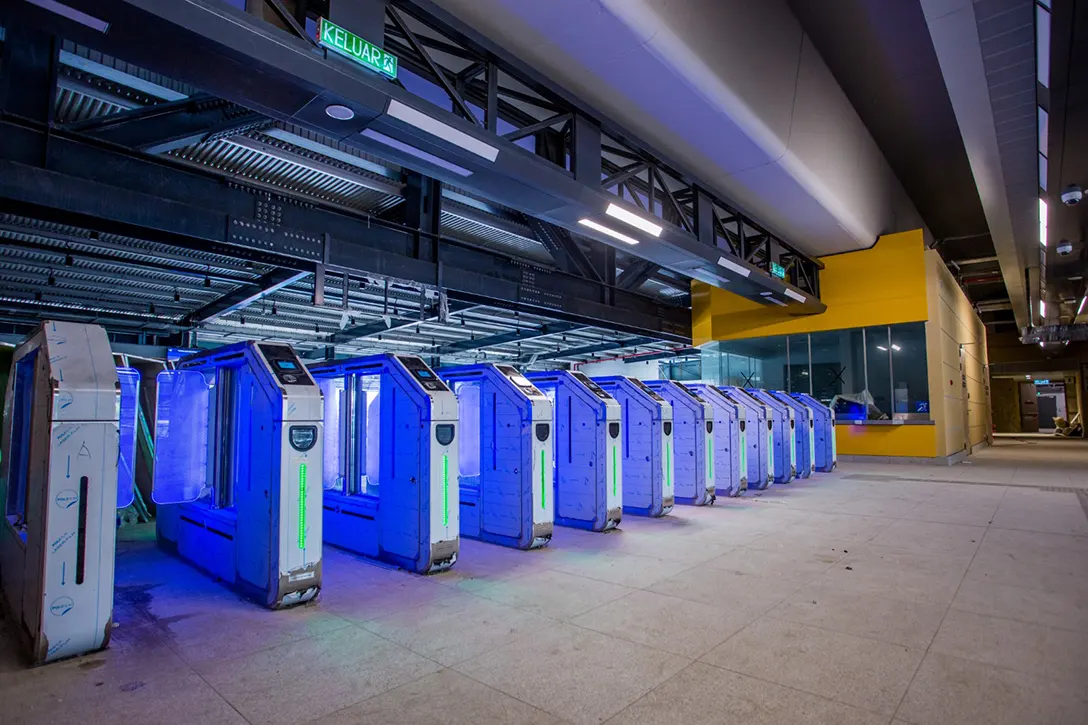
(877,594)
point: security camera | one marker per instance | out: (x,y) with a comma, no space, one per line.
(1065,248)
(1072,195)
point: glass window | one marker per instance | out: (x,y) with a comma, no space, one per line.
(909,368)
(837,367)
(799,374)
(878,371)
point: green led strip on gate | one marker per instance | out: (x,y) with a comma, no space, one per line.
(668,466)
(445,489)
(615,483)
(302,505)
(543,486)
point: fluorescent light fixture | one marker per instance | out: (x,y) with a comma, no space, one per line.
(780,303)
(444,131)
(1042,45)
(881,348)
(1080,307)
(605,230)
(794,295)
(413,151)
(618,212)
(766,294)
(1042,222)
(1042,308)
(896,348)
(734,267)
(72,14)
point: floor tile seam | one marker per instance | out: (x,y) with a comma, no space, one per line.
(1037,531)
(1070,630)
(629,586)
(885,597)
(870,638)
(797,689)
(1037,679)
(548,712)
(944,616)
(223,697)
(693,658)
(612,718)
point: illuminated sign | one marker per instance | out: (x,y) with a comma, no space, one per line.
(348,44)
(778,270)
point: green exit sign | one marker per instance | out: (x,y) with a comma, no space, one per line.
(778,270)
(348,44)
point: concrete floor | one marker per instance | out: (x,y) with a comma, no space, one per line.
(878,594)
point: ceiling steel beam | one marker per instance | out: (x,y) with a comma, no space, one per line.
(589,349)
(169,126)
(636,274)
(502,338)
(245,295)
(110,190)
(568,256)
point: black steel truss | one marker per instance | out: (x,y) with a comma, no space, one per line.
(67,179)
(589,349)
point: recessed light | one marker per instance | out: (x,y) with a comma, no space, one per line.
(734,267)
(413,151)
(609,232)
(618,212)
(72,14)
(457,137)
(340,113)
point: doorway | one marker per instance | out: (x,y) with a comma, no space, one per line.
(1051,403)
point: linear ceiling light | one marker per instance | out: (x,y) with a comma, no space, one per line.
(778,302)
(605,230)
(413,151)
(72,14)
(794,295)
(1080,308)
(896,348)
(444,131)
(881,348)
(1042,309)
(734,267)
(1042,222)
(618,212)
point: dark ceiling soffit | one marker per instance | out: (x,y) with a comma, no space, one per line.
(502,338)
(245,295)
(588,349)
(202,45)
(203,212)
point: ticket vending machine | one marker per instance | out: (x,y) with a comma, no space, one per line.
(825,457)
(59,486)
(506,473)
(693,443)
(586,451)
(646,444)
(390,463)
(782,425)
(730,458)
(804,432)
(759,429)
(238,470)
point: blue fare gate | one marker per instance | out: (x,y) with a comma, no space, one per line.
(826,451)
(588,468)
(782,425)
(506,473)
(646,433)
(238,469)
(730,458)
(693,443)
(804,432)
(759,430)
(390,463)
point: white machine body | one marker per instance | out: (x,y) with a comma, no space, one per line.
(60,454)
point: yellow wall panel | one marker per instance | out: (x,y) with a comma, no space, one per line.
(918,441)
(883,285)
